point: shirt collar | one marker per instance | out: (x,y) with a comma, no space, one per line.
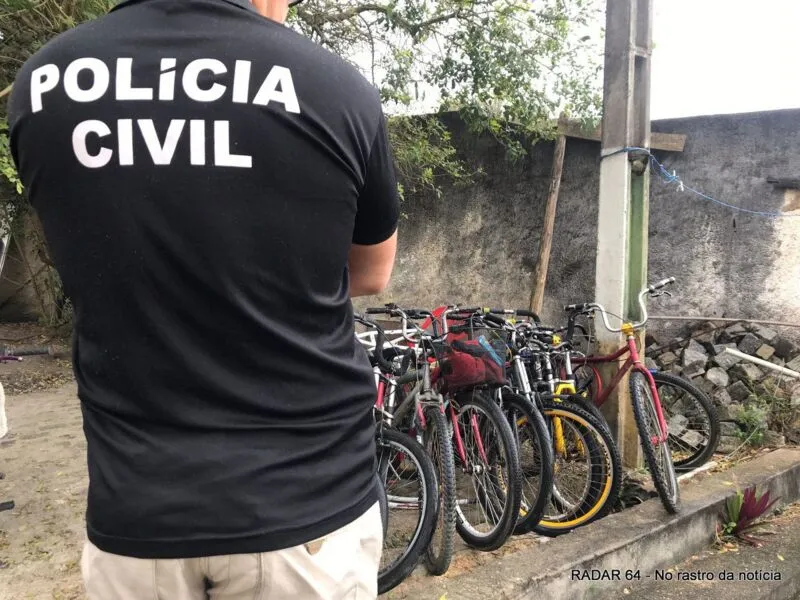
(240,3)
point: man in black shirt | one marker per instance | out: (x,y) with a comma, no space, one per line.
(214,188)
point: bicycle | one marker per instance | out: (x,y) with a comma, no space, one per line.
(587,470)
(484,445)
(524,416)
(694,426)
(647,410)
(401,463)
(427,421)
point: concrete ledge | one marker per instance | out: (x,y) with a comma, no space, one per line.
(643,538)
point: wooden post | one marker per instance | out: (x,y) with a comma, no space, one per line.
(546,243)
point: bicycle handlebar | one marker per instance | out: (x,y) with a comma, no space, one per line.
(520,312)
(577,307)
(492,318)
(663,283)
(593,306)
(406,315)
(380,341)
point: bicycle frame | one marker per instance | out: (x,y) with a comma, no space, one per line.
(424,387)
(633,362)
(415,397)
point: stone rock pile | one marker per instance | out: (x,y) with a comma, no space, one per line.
(738,388)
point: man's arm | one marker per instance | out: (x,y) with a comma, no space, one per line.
(375,233)
(371,267)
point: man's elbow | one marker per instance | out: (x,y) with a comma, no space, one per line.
(371,267)
(370,286)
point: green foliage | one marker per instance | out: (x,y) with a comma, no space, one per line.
(769,407)
(753,422)
(775,396)
(424,154)
(7,170)
(742,514)
(509,66)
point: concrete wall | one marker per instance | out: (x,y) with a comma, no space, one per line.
(478,244)
(19,298)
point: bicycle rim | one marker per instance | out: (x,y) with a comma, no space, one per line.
(657,453)
(587,471)
(535,457)
(488,481)
(692,419)
(410,484)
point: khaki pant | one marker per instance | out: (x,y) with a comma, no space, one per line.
(342,565)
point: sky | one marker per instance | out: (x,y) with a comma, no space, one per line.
(725,56)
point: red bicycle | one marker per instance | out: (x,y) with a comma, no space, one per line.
(647,410)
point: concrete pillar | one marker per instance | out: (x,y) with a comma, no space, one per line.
(621,267)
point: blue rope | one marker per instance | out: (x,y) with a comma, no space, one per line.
(670,178)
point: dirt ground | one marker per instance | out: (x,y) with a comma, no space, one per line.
(34,373)
(44,470)
(43,458)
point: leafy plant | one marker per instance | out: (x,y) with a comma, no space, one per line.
(7,170)
(769,407)
(743,512)
(775,394)
(424,154)
(753,420)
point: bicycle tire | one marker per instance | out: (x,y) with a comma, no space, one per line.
(589,406)
(508,476)
(383,504)
(604,476)
(530,425)
(392,575)
(658,457)
(439,552)
(702,403)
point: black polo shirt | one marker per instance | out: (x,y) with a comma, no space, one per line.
(201,173)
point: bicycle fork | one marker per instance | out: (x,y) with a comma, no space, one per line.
(627,329)
(523,381)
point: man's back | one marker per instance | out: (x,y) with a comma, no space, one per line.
(206,173)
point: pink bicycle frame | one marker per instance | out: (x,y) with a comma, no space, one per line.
(633,362)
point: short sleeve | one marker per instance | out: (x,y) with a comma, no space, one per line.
(378,204)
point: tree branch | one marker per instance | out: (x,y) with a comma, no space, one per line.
(412,28)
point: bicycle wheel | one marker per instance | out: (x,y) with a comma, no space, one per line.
(535,457)
(410,483)
(439,445)
(692,418)
(657,454)
(488,483)
(587,404)
(587,473)
(383,504)
(587,388)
